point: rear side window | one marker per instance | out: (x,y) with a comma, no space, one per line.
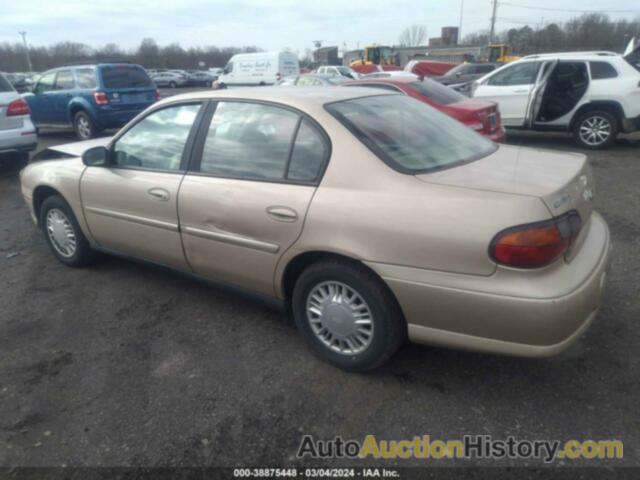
(409,135)
(86,77)
(249,141)
(5,86)
(310,151)
(602,70)
(45,84)
(437,92)
(64,80)
(124,76)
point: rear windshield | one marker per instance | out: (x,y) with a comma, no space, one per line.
(125,76)
(437,92)
(409,135)
(5,86)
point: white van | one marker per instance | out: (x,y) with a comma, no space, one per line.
(264,68)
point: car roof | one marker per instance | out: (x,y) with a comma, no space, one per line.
(396,79)
(305,99)
(597,55)
(92,65)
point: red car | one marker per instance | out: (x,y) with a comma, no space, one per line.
(483,117)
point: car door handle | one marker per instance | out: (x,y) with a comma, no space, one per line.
(159,193)
(523,90)
(282,214)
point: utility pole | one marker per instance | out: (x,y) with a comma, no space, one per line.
(26,49)
(493,21)
(460,27)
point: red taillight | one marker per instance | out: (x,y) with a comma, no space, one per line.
(536,245)
(17,107)
(157,94)
(100,98)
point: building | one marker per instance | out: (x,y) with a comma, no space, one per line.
(448,37)
(326,56)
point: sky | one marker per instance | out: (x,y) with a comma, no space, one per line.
(273,24)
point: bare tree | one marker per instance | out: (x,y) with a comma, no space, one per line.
(413,36)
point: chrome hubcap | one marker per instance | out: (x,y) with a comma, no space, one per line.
(61,233)
(595,130)
(340,318)
(83,127)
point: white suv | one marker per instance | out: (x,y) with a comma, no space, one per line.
(338,71)
(593,95)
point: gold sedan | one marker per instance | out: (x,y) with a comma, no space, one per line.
(374,216)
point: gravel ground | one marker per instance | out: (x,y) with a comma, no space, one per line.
(124,364)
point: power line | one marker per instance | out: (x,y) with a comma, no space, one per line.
(551,9)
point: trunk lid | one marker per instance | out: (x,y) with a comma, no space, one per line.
(561,180)
(473,111)
(9,123)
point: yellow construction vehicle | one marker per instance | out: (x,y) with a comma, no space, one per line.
(500,53)
(376,55)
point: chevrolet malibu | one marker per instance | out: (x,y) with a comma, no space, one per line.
(372,215)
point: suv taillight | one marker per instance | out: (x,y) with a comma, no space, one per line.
(18,107)
(536,244)
(100,98)
(157,94)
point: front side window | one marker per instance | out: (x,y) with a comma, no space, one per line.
(249,141)
(517,74)
(409,135)
(46,83)
(157,142)
(64,80)
(602,70)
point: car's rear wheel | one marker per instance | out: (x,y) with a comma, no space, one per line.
(595,129)
(63,234)
(347,315)
(83,125)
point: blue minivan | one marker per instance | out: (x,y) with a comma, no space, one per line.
(90,98)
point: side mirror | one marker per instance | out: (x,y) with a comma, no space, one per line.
(96,157)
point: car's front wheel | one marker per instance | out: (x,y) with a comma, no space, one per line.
(83,125)
(347,315)
(173,84)
(63,234)
(595,129)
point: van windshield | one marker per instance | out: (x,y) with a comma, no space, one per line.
(409,135)
(125,76)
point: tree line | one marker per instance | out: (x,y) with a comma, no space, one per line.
(588,32)
(148,53)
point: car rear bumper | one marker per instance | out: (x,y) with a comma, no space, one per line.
(110,117)
(23,139)
(524,313)
(499,136)
(631,124)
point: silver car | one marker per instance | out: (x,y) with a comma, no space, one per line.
(17,133)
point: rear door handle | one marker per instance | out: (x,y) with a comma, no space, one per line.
(282,214)
(159,193)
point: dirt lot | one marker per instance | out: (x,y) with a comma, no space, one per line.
(127,364)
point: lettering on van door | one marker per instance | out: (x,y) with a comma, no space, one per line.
(256,68)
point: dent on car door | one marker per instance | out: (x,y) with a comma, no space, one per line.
(131,205)
(245,203)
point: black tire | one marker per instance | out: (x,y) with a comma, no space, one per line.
(173,84)
(83,254)
(601,118)
(389,326)
(83,125)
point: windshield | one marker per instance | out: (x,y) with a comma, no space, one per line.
(458,68)
(437,92)
(409,135)
(125,76)
(5,86)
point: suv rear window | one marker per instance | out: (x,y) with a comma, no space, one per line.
(5,86)
(125,76)
(408,135)
(437,92)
